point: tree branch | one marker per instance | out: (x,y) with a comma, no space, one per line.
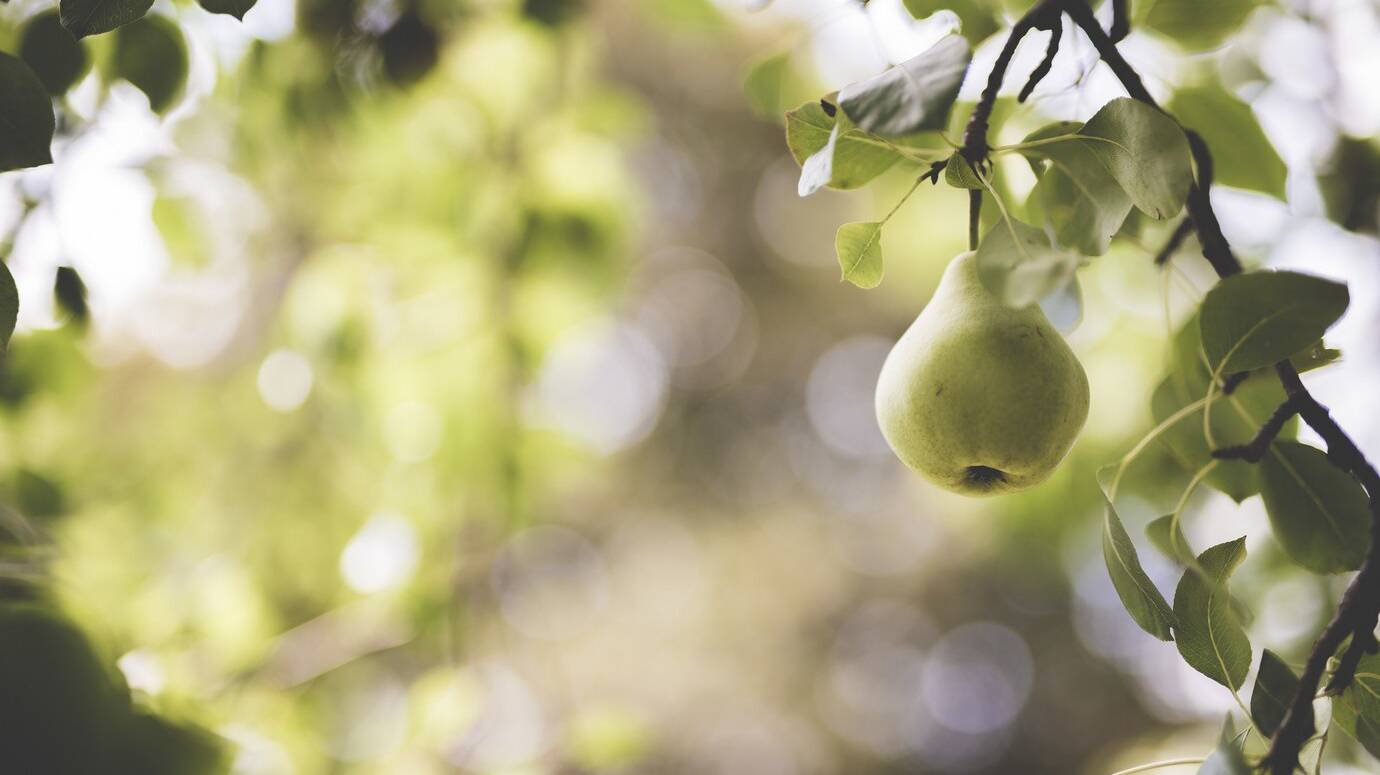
(1357,613)
(975,146)
(1255,449)
(1056,31)
(1362,643)
(1121,20)
(1176,240)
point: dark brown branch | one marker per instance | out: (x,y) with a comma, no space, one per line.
(1176,240)
(975,146)
(1056,31)
(1360,607)
(1121,20)
(1255,449)
(1362,643)
(1357,613)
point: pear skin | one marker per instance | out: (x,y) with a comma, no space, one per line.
(978,397)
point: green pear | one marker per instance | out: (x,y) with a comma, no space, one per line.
(979,397)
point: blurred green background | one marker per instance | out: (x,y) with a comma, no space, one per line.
(462,387)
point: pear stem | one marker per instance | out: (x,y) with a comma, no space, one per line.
(1359,609)
(974,216)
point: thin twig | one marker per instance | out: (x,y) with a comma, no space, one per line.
(1362,643)
(1176,240)
(1254,450)
(1056,31)
(975,134)
(1121,20)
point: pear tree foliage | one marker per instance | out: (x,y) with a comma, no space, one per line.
(1135,172)
(66,708)
(56,45)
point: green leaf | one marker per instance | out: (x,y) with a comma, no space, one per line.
(1146,152)
(92,17)
(1210,637)
(55,56)
(36,495)
(1350,183)
(854,159)
(1253,320)
(1017,263)
(410,49)
(1174,546)
(26,117)
(959,173)
(152,745)
(859,248)
(152,54)
(1242,156)
(70,294)
(1238,479)
(1138,594)
(1315,357)
(1318,512)
(1235,418)
(1077,198)
(235,8)
(765,82)
(1357,710)
(914,96)
(1197,25)
(1274,689)
(9,306)
(1226,758)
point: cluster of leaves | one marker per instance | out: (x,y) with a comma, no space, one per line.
(1091,175)
(1318,512)
(53,55)
(1092,180)
(55,51)
(149,51)
(67,711)
(544,226)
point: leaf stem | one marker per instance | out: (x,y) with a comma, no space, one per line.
(903,200)
(1179,507)
(1005,216)
(974,217)
(1140,446)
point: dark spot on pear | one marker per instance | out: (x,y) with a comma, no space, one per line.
(984,476)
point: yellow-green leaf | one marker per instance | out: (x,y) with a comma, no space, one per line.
(859,248)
